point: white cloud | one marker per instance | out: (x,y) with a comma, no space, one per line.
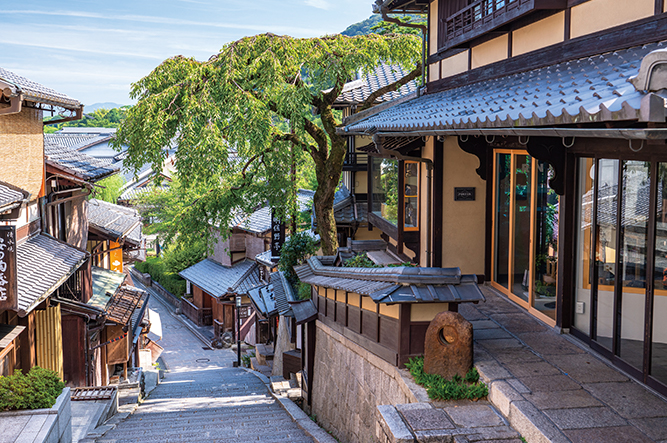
(320,4)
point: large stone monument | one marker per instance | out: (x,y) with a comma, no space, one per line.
(448,346)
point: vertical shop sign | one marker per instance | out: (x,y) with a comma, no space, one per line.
(277,236)
(8,287)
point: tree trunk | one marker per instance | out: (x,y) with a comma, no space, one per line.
(328,176)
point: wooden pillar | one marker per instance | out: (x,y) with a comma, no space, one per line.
(28,357)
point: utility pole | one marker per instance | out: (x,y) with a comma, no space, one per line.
(238,330)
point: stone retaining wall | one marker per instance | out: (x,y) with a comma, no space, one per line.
(349,383)
(49,425)
(146,280)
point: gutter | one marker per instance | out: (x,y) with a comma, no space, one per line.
(619,133)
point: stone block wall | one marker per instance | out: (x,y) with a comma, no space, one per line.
(22,150)
(349,383)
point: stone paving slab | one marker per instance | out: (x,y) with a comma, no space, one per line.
(552,388)
(203,398)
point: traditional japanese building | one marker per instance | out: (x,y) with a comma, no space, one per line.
(535,158)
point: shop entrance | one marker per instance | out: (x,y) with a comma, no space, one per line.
(525,243)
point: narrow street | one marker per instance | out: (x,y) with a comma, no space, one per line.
(204,399)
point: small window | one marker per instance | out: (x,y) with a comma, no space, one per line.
(411,196)
(385,189)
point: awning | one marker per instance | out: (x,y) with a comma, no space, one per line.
(123,303)
(587,90)
(44,264)
(155,332)
(105,283)
(8,333)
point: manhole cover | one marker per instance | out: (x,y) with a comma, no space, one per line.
(202,360)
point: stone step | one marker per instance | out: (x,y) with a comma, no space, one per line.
(209,434)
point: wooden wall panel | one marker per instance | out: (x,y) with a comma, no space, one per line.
(118,351)
(389,330)
(354,319)
(417,336)
(369,325)
(74,345)
(49,339)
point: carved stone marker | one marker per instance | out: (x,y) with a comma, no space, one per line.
(448,346)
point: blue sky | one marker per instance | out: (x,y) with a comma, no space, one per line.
(93,50)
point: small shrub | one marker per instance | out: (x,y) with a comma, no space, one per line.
(360,261)
(38,389)
(296,251)
(171,281)
(304,291)
(439,388)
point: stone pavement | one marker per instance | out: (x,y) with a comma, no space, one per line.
(553,388)
(203,398)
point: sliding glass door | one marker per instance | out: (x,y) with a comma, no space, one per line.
(620,293)
(525,243)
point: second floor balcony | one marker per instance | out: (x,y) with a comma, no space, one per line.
(484,16)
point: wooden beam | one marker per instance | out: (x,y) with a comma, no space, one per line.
(648,30)
(438,183)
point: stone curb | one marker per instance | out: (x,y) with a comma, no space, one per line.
(522,415)
(302,420)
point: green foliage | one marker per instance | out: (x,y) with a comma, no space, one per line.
(304,291)
(99,118)
(363,27)
(180,256)
(228,117)
(384,28)
(439,388)
(38,389)
(295,252)
(111,190)
(360,261)
(171,281)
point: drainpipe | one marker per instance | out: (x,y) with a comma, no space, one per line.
(429,180)
(380,8)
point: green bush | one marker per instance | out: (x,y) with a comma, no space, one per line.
(38,389)
(439,388)
(304,291)
(360,261)
(156,267)
(295,252)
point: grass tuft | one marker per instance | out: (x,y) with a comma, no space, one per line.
(439,388)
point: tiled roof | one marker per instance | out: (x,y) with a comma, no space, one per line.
(123,303)
(10,197)
(344,208)
(260,220)
(76,141)
(105,283)
(33,91)
(43,263)
(216,279)
(394,285)
(264,300)
(77,163)
(357,91)
(587,90)
(283,292)
(116,221)
(133,193)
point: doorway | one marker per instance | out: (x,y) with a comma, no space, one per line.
(525,232)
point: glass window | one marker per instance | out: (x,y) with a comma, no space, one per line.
(411,196)
(546,242)
(385,189)
(502,219)
(659,344)
(585,192)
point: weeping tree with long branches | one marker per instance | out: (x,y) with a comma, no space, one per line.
(245,116)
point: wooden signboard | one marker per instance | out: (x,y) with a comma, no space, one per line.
(464,194)
(277,237)
(8,279)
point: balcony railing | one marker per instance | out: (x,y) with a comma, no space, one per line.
(486,15)
(355,161)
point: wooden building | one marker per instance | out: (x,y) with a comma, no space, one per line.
(534,157)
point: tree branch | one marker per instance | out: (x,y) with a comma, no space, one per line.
(383,10)
(370,101)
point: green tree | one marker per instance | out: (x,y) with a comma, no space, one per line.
(99,118)
(228,117)
(110,188)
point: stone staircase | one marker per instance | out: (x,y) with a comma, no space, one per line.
(226,405)
(262,361)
